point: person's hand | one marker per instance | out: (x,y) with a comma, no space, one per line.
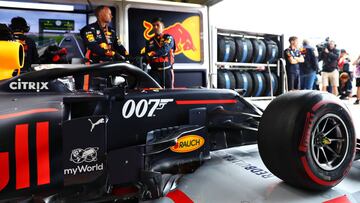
(326,50)
(110,53)
(151,54)
(119,57)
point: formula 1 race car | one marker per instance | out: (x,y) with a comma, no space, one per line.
(131,140)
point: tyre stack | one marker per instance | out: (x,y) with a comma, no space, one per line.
(244,81)
(272,51)
(244,50)
(226,49)
(259,54)
(248,50)
(255,83)
(226,79)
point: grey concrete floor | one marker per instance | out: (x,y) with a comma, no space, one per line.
(228,178)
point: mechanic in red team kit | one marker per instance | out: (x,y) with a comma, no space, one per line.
(160,52)
(19,27)
(101,41)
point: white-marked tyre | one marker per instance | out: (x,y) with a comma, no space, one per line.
(307,139)
(226,48)
(259,51)
(226,79)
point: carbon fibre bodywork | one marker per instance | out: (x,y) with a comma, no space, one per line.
(54,140)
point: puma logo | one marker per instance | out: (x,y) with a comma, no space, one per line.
(100,121)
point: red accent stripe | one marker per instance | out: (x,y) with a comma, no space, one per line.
(320,103)
(179,196)
(86,83)
(24,113)
(313,177)
(342,199)
(219,101)
(4,170)
(306,134)
(22,156)
(87,77)
(42,152)
(151,88)
(121,191)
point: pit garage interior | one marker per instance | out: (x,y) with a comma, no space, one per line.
(208,57)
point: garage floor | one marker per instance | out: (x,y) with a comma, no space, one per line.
(238,175)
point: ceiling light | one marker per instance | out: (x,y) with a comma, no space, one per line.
(38,6)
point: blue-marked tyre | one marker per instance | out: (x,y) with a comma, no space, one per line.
(307,139)
(244,50)
(258,84)
(273,80)
(226,79)
(244,81)
(226,49)
(272,51)
(259,51)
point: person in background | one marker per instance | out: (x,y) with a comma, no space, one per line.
(344,61)
(54,54)
(293,59)
(330,73)
(102,45)
(310,67)
(19,27)
(100,39)
(357,76)
(160,54)
(345,87)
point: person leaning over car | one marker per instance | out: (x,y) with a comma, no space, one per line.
(310,67)
(100,39)
(101,42)
(330,73)
(293,58)
(19,27)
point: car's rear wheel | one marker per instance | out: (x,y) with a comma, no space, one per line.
(307,139)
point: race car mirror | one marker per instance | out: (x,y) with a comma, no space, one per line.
(11,58)
(118,90)
(117,81)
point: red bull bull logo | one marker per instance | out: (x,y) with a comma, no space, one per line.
(186,35)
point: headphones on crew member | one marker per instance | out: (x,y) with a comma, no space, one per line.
(19,24)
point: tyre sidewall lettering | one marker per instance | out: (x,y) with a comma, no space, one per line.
(334,176)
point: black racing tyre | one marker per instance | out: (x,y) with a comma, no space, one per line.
(221,83)
(258,84)
(307,139)
(244,81)
(226,79)
(226,49)
(272,51)
(274,82)
(278,91)
(259,51)
(231,79)
(244,50)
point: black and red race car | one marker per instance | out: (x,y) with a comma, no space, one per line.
(128,139)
